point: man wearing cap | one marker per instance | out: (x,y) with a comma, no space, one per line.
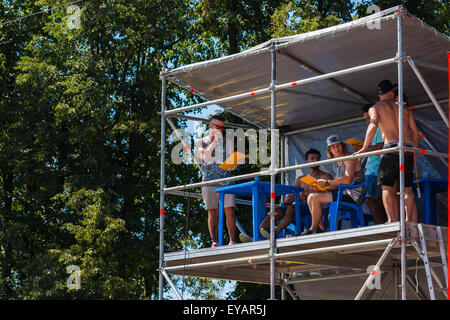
(210,150)
(384,114)
(346,172)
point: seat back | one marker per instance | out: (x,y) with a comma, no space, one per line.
(339,210)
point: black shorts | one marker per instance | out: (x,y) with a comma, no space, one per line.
(389,169)
(345,197)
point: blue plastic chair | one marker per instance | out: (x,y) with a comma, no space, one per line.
(341,210)
(302,220)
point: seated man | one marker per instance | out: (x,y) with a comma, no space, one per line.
(346,172)
(311,155)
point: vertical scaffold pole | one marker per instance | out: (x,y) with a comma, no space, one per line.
(162,185)
(283,164)
(401,154)
(273,164)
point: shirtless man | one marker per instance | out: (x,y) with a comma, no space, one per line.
(346,172)
(311,155)
(385,115)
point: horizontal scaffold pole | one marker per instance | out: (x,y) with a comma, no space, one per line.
(427,152)
(279,170)
(283,86)
(337,73)
(431,66)
(368,245)
(351,120)
(199,196)
(204,120)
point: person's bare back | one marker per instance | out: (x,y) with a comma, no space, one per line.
(386,113)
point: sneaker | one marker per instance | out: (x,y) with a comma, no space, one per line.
(232,243)
(245,238)
(308,232)
(214,244)
(264,233)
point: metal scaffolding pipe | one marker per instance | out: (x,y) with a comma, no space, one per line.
(427,152)
(428,90)
(341,86)
(279,170)
(218,101)
(199,196)
(351,120)
(162,184)
(186,146)
(205,97)
(431,66)
(377,267)
(283,86)
(401,144)
(254,259)
(337,73)
(175,290)
(214,182)
(334,160)
(226,124)
(273,165)
(326,125)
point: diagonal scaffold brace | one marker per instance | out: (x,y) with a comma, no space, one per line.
(377,267)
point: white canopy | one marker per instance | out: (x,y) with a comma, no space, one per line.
(332,49)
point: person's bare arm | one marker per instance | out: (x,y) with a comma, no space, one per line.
(203,153)
(371,131)
(414,130)
(350,170)
(290,197)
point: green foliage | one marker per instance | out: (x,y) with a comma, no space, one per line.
(302,16)
(435,13)
(80,133)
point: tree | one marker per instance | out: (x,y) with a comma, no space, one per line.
(301,16)
(236,24)
(80,161)
(434,12)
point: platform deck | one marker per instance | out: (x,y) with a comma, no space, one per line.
(351,248)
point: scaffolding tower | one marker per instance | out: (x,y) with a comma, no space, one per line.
(276,261)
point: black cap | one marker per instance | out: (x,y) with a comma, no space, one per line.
(385,86)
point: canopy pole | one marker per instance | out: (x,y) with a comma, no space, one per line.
(162,185)
(401,154)
(279,170)
(283,164)
(273,166)
(428,90)
(288,85)
(226,124)
(376,269)
(186,146)
(174,288)
(340,85)
(351,120)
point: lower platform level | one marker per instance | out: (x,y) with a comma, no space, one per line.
(343,254)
